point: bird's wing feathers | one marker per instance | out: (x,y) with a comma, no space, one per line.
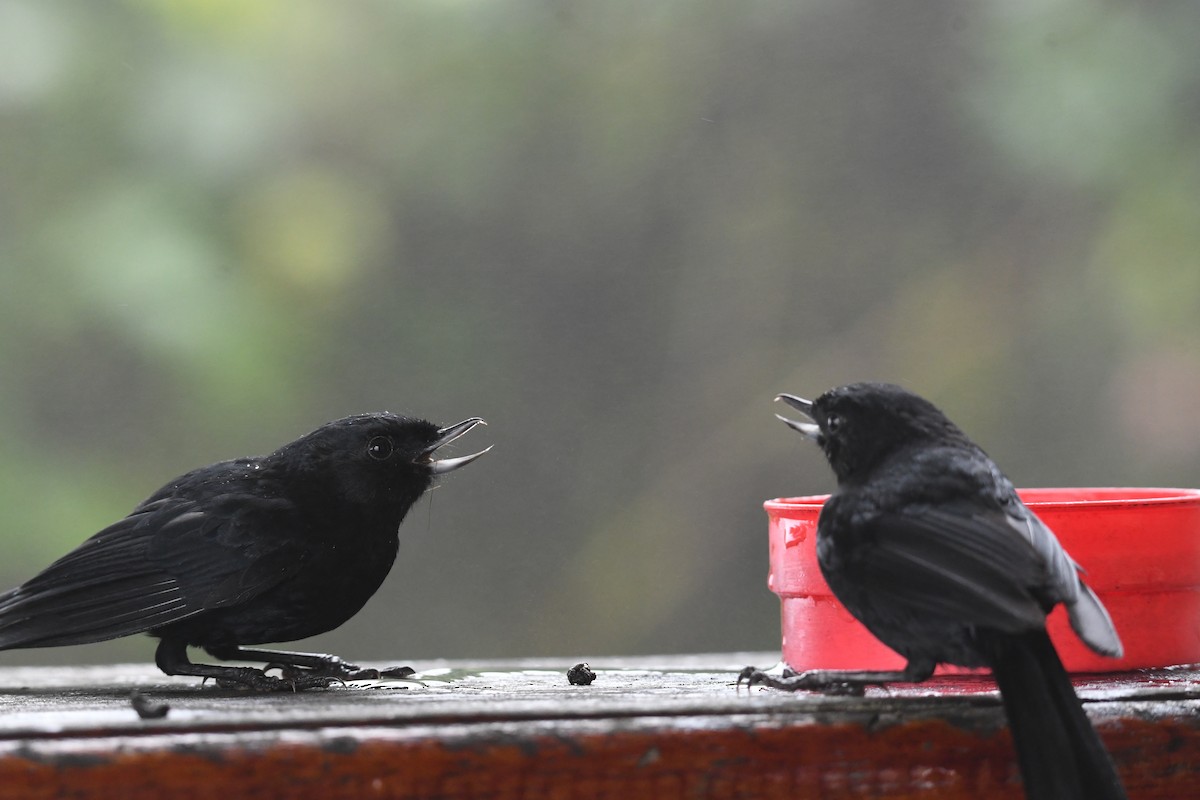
(221,556)
(968,568)
(161,564)
(1087,615)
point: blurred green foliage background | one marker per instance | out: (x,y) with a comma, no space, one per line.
(613,229)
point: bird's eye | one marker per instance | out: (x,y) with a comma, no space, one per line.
(832,423)
(379,448)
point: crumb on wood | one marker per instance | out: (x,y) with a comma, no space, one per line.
(581,675)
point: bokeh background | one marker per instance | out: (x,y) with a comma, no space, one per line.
(613,229)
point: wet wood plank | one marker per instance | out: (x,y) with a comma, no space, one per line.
(662,728)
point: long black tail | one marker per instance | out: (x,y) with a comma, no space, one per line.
(1060,754)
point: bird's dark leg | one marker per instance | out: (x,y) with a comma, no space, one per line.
(835,681)
(315,663)
(171,658)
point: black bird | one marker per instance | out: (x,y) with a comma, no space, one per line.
(244,552)
(927,544)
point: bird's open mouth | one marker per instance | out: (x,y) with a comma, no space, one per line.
(810,430)
(446,436)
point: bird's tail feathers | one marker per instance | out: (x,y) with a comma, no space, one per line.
(1061,756)
(66,615)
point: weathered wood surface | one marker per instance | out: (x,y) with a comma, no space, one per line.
(647,728)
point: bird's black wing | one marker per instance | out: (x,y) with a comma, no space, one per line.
(970,567)
(165,562)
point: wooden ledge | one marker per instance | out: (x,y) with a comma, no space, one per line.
(647,727)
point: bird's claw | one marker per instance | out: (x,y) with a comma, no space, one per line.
(337,669)
(792,681)
(397,672)
(751,675)
(333,666)
(371,674)
(354,673)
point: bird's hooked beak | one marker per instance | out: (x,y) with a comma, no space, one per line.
(810,430)
(445,436)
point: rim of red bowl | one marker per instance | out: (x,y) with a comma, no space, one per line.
(1088,497)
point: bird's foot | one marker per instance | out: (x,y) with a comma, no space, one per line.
(296,672)
(298,679)
(291,679)
(335,667)
(247,678)
(307,680)
(824,681)
(313,664)
(375,674)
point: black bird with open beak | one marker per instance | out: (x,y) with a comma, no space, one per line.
(245,552)
(928,545)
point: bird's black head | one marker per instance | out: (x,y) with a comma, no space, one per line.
(860,425)
(379,459)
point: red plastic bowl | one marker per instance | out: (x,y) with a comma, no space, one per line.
(1140,549)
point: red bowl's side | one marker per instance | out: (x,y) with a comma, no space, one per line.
(1140,549)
